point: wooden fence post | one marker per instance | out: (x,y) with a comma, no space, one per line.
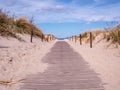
(75,39)
(90,40)
(31,36)
(47,39)
(80,39)
(50,38)
(72,38)
(42,38)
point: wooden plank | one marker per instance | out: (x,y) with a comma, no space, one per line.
(67,71)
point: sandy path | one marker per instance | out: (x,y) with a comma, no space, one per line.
(67,71)
(104,60)
(18,59)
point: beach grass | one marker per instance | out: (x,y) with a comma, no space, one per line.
(110,35)
(10,26)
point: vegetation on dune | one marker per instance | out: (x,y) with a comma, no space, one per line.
(48,37)
(6,25)
(9,26)
(111,34)
(24,27)
(85,36)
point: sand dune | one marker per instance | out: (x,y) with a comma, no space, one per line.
(104,60)
(18,59)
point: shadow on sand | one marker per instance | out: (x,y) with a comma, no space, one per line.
(4,47)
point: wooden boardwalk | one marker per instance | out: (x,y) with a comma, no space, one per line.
(67,71)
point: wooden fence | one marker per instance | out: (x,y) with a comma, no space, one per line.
(74,38)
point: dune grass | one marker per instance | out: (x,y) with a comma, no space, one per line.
(86,35)
(9,26)
(113,35)
(110,35)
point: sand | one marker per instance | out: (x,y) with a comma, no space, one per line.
(19,59)
(104,60)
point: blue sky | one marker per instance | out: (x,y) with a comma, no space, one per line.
(66,17)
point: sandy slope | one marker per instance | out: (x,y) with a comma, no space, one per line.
(18,59)
(103,60)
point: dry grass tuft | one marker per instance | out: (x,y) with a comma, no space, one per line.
(9,26)
(86,35)
(5,82)
(113,35)
(10,82)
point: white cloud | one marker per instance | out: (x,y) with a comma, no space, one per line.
(53,11)
(59,7)
(99,1)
